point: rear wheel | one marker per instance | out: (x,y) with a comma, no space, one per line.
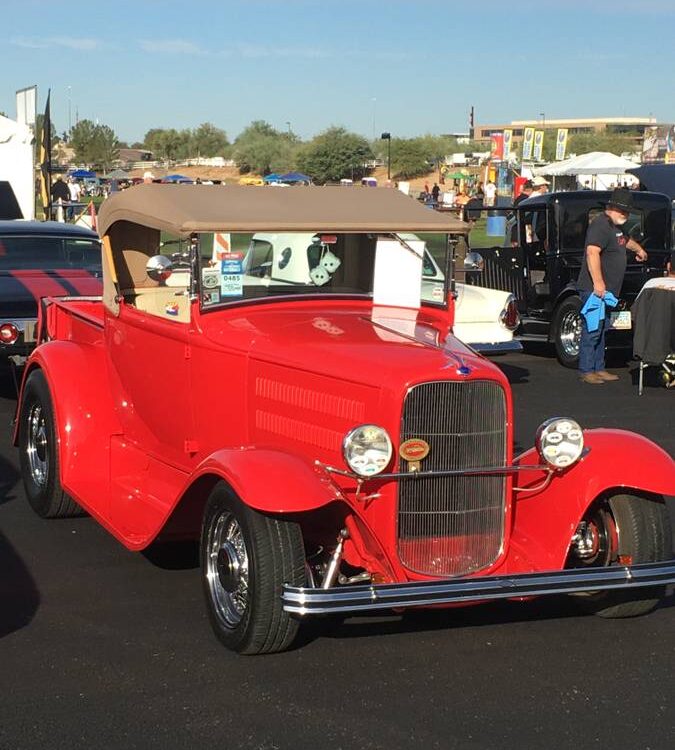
(246,558)
(623,530)
(566,331)
(38,452)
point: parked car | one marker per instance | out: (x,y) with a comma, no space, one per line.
(333,446)
(541,270)
(484,318)
(40,259)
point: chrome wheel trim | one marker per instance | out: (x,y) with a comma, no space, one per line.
(37,446)
(570,333)
(227,571)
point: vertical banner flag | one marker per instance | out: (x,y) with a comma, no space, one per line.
(528,140)
(497,146)
(46,162)
(508,142)
(538,144)
(561,144)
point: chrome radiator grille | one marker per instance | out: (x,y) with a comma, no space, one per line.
(451,526)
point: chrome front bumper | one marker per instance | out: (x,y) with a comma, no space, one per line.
(367,598)
(500,347)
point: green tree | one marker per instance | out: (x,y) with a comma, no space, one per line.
(335,154)
(409,158)
(82,138)
(263,149)
(96,145)
(583,143)
(208,140)
(105,147)
(168,143)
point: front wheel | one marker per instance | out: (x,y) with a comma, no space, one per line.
(623,530)
(566,331)
(246,557)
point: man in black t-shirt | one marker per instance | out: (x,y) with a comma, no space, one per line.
(602,271)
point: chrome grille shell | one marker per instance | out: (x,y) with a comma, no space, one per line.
(452,526)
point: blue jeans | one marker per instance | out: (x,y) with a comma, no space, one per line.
(592,344)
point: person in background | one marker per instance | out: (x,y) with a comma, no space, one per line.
(540,186)
(60,192)
(664,282)
(435,192)
(490,193)
(75,193)
(525,193)
(602,271)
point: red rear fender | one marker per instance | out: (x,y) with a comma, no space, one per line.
(83,408)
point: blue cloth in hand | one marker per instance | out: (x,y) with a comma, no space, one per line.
(595,309)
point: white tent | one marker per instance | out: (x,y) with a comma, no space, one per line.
(16,163)
(600,165)
(597,162)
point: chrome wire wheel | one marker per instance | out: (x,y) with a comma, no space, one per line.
(227,569)
(37,445)
(570,333)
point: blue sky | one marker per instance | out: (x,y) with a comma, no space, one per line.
(408,67)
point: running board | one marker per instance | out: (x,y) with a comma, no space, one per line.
(367,598)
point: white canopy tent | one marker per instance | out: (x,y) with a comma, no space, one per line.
(16,163)
(601,166)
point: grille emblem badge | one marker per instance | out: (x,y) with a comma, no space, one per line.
(414,451)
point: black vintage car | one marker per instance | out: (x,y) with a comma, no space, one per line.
(41,259)
(541,255)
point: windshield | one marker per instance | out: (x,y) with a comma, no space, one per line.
(304,263)
(29,252)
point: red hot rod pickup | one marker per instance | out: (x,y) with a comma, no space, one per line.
(330,442)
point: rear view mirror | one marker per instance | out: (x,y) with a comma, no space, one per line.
(159,268)
(474,261)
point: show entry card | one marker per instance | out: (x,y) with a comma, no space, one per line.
(232,275)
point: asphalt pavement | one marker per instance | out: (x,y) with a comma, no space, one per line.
(104,648)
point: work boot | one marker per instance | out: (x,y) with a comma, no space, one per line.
(607,376)
(592,378)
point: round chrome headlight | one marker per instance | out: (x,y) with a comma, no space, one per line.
(367,450)
(560,442)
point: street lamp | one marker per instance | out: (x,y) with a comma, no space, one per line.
(288,125)
(543,119)
(387,137)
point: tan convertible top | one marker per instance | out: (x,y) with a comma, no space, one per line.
(183,209)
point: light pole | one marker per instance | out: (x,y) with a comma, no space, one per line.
(374,101)
(387,137)
(70,122)
(288,125)
(543,119)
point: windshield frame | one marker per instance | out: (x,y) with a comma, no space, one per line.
(200,262)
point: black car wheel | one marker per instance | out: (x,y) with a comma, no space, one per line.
(623,530)
(566,331)
(246,557)
(38,452)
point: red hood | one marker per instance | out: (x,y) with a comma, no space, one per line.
(351,343)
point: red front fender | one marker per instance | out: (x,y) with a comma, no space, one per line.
(269,480)
(544,521)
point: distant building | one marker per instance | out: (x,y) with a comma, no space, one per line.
(129,156)
(633,127)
